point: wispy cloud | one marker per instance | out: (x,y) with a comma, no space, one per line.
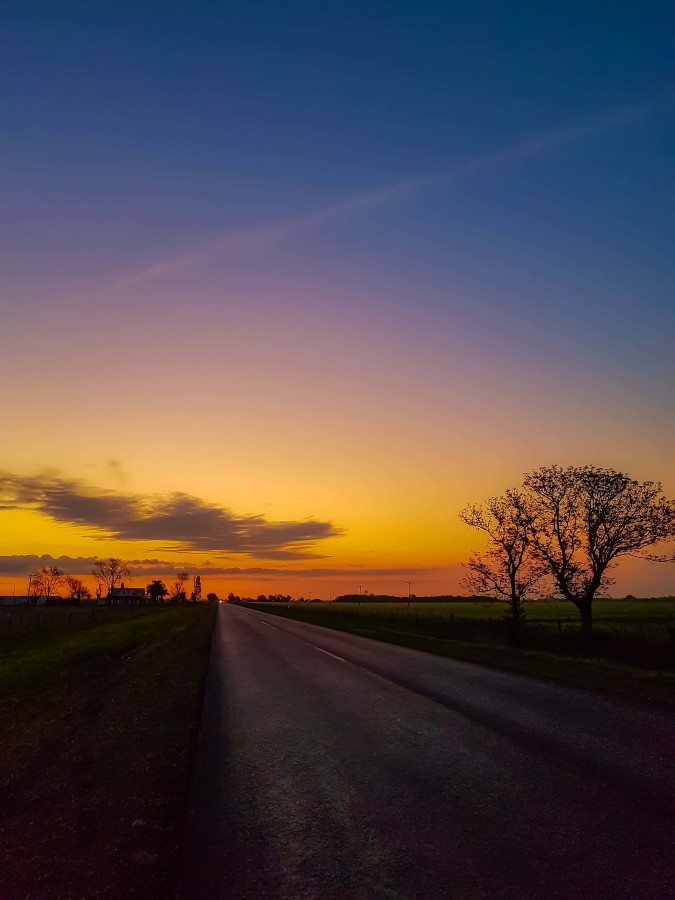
(181,522)
(254,240)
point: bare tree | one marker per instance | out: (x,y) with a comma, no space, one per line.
(508,570)
(47,582)
(76,588)
(584,518)
(179,585)
(35,589)
(109,573)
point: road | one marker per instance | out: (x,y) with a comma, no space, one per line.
(333,766)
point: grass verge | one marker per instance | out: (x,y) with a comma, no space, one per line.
(97,732)
(27,659)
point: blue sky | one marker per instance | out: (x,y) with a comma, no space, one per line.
(135,131)
(169,121)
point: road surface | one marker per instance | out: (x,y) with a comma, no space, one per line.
(333,766)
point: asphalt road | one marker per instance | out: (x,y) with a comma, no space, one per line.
(332,766)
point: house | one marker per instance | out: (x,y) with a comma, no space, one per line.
(127,596)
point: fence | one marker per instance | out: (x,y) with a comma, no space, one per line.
(648,642)
(27,619)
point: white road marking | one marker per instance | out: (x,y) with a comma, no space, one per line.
(328,653)
(320,649)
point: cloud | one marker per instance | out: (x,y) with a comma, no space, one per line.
(181,522)
(254,240)
(22,564)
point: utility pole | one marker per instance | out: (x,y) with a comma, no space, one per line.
(30,576)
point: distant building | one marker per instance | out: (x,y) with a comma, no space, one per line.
(22,601)
(124,595)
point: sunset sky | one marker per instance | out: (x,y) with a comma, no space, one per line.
(285,285)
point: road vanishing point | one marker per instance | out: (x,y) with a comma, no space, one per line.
(334,766)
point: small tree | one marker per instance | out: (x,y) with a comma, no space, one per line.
(156,591)
(213,598)
(508,569)
(35,589)
(76,588)
(196,595)
(583,519)
(109,573)
(178,592)
(47,582)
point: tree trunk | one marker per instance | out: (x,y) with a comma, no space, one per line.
(516,622)
(586,612)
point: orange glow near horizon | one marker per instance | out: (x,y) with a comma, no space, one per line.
(314,403)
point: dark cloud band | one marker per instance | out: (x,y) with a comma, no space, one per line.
(82,565)
(181,522)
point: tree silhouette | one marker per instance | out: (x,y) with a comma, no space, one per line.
(156,591)
(508,569)
(109,573)
(47,582)
(178,593)
(76,588)
(582,519)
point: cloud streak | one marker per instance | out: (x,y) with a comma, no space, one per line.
(181,522)
(254,240)
(20,564)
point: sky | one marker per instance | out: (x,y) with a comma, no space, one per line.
(285,285)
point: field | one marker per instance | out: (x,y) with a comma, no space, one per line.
(98,720)
(37,644)
(633,651)
(24,619)
(631,616)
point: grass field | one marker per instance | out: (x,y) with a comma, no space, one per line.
(661,607)
(97,734)
(29,655)
(631,615)
(18,619)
